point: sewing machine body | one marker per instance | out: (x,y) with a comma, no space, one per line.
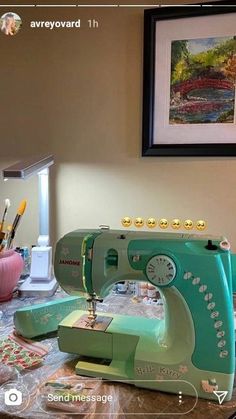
(194,343)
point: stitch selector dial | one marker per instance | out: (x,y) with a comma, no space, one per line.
(161,270)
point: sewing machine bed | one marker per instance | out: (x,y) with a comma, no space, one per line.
(127,399)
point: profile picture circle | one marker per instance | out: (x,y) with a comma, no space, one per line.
(10,23)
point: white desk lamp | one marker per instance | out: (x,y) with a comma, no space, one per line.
(41,280)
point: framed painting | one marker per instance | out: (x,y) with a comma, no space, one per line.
(189,104)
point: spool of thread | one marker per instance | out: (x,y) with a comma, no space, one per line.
(151,291)
(143,289)
(131,286)
(121,287)
(158,295)
(137,289)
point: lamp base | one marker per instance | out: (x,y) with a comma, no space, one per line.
(32,288)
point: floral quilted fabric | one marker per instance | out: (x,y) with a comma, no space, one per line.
(21,354)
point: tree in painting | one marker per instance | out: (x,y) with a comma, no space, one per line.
(203,78)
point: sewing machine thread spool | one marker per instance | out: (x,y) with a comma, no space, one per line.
(121,287)
(143,289)
(131,286)
(137,289)
(151,291)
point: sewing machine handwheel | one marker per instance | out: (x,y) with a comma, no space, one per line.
(161,270)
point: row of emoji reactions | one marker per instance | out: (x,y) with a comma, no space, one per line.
(164,223)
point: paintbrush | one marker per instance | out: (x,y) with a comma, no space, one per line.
(4,238)
(15,224)
(7,205)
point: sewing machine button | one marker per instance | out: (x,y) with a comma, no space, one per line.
(208,297)
(136,258)
(218,324)
(188,275)
(221,343)
(214,314)
(221,334)
(202,288)
(196,281)
(223,354)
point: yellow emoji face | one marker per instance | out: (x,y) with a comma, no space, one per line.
(138,222)
(201,225)
(126,222)
(151,222)
(188,224)
(175,223)
(163,223)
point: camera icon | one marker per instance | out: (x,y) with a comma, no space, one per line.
(13,397)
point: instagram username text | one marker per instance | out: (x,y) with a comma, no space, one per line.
(52,24)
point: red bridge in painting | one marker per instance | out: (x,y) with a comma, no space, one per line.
(204,83)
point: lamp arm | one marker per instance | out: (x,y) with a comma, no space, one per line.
(43,177)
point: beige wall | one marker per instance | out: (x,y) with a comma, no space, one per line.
(78,94)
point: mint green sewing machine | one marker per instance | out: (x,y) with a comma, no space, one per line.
(195,341)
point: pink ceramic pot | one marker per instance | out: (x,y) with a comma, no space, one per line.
(11,267)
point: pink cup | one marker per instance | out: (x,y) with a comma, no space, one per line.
(11,267)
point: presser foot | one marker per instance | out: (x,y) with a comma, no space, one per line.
(92,302)
(101,323)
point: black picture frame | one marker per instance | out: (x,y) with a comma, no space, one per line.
(151,19)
